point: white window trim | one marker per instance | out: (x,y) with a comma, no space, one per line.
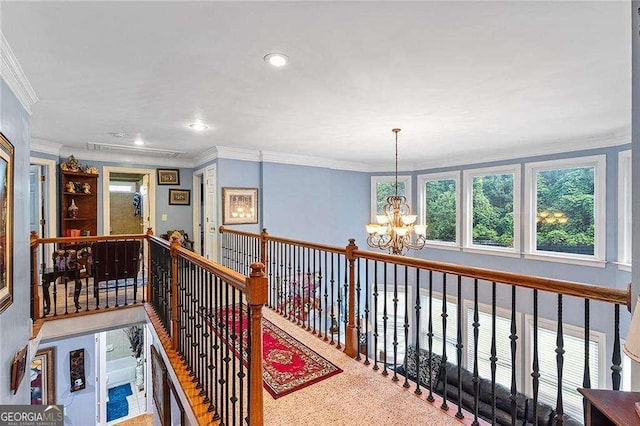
(598,162)
(467,222)
(567,329)
(504,313)
(422,205)
(624,201)
(374,190)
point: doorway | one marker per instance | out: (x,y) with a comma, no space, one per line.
(205,217)
(123,386)
(128,200)
(43,202)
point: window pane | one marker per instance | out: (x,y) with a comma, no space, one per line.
(565,215)
(385,190)
(440,211)
(493,210)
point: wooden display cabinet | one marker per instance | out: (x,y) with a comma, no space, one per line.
(82,189)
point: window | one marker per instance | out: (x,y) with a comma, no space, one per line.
(624,209)
(121,186)
(394,323)
(436,318)
(503,343)
(566,207)
(573,366)
(439,206)
(383,187)
(492,208)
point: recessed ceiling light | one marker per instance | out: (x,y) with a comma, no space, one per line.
(198,126)
(277,59)
(138,142)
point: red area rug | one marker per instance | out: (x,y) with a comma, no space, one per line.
(288,364)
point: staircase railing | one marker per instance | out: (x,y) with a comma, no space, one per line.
(396,313)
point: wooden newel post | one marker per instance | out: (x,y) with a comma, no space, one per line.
(351,334)
(175,326)
(35,297)
(256,298)
(148,289)
(263,247)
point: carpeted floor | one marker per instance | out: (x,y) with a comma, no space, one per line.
(117,406)
(288,364)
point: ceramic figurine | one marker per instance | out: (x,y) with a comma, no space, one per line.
(73,164)
(86,188)
(73,209)
(71,187)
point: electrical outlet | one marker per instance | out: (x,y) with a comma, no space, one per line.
(164,217)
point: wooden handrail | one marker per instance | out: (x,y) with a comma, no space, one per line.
(569,288)
(90,239)
(307,244)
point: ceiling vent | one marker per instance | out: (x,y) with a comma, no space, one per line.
(156,152)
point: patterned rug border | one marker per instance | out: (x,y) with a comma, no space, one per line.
(293,342)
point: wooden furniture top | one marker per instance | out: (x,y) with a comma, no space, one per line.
(618,406)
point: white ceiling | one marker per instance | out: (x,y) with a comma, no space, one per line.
(464,80)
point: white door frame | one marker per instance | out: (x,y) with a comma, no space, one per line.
(106,208)
(50,194)
(211,213)
(198,178)
(101,377)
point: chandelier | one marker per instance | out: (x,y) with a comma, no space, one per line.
(395,229)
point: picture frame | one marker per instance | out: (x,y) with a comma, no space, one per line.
(159,381)
(18,368)
(6,222)
(168,176)
(76,370)
(179,197)
(239,206)
(42,376)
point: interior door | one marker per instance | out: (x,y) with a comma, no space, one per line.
(210,213)
(35,200)
(146,210)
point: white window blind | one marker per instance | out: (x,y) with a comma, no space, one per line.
(503,346)
(452,327)
(572,370)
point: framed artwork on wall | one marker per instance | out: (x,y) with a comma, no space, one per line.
(180,197)
(76,367)
(43,384)
(168,176)
(18,367)
(159,382)
(239,206)
(6,223)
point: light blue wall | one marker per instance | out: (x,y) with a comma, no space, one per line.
(15,323)
(315,204)
(80,406)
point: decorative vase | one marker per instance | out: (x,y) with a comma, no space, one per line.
(73,209)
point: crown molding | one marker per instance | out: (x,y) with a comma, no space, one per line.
(120,157)
(238,154)
(561,146)
(303,160)
(12,73)
(45,147)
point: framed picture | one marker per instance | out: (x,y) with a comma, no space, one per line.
(160,391)
(239,205)
(168,177)
(6,223)
(180,197)
(18,367)
(76,368)
(42,375)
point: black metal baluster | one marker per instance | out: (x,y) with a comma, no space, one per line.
(459,347)
(418,391)
(559,364)
(535,374)
(476,335)
(385,317)
(513,337)
(299,290)
(375,315)
(326,299)
(616,359)
(586,375)
(236,308)
(444,314)
(395,322)
(430,397)
(339,302)
(345,310)
(314,299)
(333,318)
(366,310)
(493,358)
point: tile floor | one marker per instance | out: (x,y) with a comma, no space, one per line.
(137,404)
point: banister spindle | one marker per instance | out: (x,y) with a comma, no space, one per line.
(514,362)
(459,347)
(444,314)
(559,364)
(418,391)
(476,334)
(493,358)
(616,359)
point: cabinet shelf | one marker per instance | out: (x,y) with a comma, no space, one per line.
(77,218)
(87,204)
(81,194)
